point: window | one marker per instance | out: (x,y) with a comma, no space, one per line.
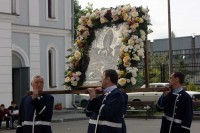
(51,9)
(15,6)
(52,67)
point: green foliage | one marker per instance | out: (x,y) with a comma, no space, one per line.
(191,87)
(154,75)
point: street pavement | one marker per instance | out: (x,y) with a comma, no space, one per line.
(75,121)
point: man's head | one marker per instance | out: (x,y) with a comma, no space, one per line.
(37,82)
(13,103)
(2,106)
(109,78)
(176,79)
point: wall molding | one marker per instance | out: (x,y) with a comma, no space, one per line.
(6,17)
(40,30)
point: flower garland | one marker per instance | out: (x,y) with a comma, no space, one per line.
(135,22)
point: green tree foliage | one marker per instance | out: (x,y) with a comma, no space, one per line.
(181,66)
(191,87)
(173,34)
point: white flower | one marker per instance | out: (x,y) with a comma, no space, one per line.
(67,79)
(85,34)
(134,73)
(103,12)
(122,81)
(135,37)
(136,58)
(135,69)
(88,15)
(134,14)
(128,80)
(74,83)
(70,59)
(131,41)
(142,33)
(143,38)
(93,16)
(133,80)
(140,52)
(141,20)
(136,46)
(78,73)
(126,49)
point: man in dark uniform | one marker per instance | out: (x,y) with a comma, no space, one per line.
(106,111)
(35,111)
(177,106)
(13,113)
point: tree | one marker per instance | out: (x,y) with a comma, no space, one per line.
(173,35)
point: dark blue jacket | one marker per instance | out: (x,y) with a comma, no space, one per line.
(178,112)
(110,110)
(42,107)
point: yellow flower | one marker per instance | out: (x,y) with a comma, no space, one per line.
(127,64)
(103,20)
(78,42)
(137,19)
(126,58)
(122,48)
(121,72)
(124,40)
(69,73)
(122,81)
(89,23)
(126,54)
(77,55)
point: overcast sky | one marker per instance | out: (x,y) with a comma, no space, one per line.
(185,15)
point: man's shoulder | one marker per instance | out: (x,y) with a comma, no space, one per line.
(10,107)
(48,96)
(118,91)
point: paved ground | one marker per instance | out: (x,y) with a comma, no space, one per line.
(133,126)
(70,121)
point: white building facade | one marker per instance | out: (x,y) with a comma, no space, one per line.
(34,37)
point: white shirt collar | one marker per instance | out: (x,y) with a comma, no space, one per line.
(109,89)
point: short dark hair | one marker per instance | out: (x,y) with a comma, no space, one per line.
(2,105)
(112,74)
(180,75)
(12,102)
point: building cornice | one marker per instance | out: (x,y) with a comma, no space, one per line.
(40,30)
(6,17)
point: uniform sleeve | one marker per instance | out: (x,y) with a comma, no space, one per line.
(94,105)
(161,103)
(44,107)
(125,102)
(187,120)
(88,111)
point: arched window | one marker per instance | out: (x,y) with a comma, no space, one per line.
(52,67)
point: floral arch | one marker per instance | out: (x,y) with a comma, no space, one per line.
(135,22)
